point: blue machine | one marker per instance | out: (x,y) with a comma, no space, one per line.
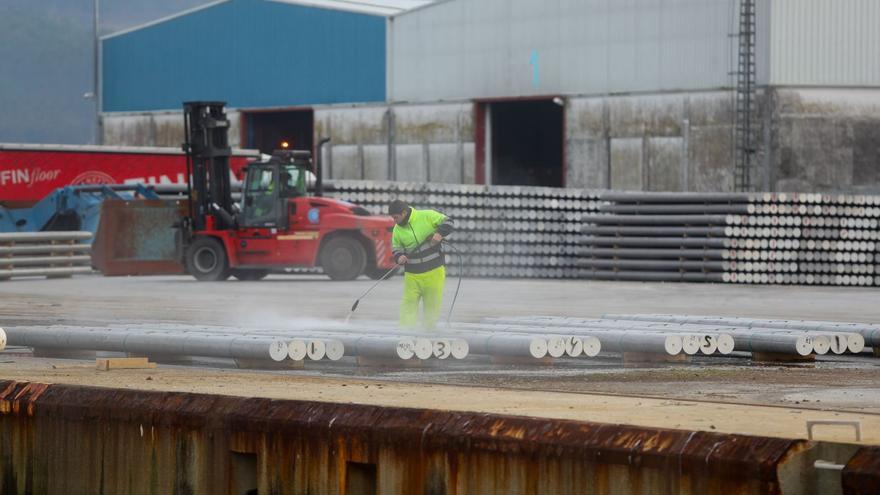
(69,208)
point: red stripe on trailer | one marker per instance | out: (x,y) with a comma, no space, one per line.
(30,172)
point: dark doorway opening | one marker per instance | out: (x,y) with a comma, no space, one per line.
(243,475)
(526,143)
(266,131)
(360,478)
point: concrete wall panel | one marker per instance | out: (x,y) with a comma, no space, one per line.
(352,125)
(646,115)
(710,160)
(445,163)
(586,148)
(626,164)
(808,140)
(155,129)
(411,166)
(420,126)
(665,164)
(433,123)
(467,150)
(375,162)
(346,162)
(587,165)
(826,140)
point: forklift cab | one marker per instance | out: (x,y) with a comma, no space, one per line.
(268,186)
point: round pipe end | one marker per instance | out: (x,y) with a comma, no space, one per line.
(296,350)
(278,350)
(672,345)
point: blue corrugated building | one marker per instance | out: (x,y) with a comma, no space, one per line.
(252,54)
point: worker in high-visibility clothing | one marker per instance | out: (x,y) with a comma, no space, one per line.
(416,244)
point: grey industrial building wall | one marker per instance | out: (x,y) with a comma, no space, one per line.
(466,49)
(811,140)
(825,140)
(830,43)
(402,142)
(160,128)
(471,49)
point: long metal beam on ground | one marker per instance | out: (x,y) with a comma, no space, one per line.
(610,340)
(159,343)
(477,336)
(870,333)
(743,339)
(693,340)
(823,342)
(707,342)
(355,339)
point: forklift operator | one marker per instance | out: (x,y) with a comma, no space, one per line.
(288,190)
(416,244)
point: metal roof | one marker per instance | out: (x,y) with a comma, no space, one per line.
(374,7)
(165,19)
(384,8)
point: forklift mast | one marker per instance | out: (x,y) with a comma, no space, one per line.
(207,161)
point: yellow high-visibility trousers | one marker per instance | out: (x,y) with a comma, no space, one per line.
(425,287)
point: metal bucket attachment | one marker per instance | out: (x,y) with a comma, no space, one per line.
(138,238)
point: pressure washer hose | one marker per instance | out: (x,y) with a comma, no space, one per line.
(458,286)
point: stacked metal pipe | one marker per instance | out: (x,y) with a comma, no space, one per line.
(501,231)
(47,254)
(733,237)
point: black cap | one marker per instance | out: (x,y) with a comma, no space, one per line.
(397,206)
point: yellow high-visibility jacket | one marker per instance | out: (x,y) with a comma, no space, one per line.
(413,240)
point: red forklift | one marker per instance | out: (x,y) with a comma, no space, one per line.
(277,225)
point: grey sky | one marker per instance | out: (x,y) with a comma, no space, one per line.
(46,63)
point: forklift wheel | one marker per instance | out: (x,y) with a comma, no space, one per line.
(343,258)
(249,275)
(206,260)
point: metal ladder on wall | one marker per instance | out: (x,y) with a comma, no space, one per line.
(744,125)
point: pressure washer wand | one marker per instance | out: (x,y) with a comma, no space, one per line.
(358,300)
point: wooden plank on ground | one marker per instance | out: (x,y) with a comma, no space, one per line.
(107,364)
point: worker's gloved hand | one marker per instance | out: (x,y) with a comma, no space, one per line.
(436,239)
(401,260)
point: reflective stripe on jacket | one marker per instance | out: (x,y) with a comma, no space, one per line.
(413,240)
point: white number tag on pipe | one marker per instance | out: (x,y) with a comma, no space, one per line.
(442,349)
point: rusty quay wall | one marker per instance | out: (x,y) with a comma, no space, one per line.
(62,439)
